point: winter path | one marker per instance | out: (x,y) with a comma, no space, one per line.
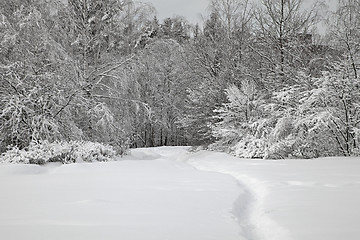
(301,199)
(249,207)
(170,194)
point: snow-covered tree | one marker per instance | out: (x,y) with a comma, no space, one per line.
(334,105)
(158,88)
(283,34)
(218,60)
(242,125)
(46,94)
(345,32)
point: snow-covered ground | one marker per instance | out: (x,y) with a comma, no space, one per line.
(127,199)
(314,199)
(170,194)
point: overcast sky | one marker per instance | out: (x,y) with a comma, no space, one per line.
(190,9)
(193,9)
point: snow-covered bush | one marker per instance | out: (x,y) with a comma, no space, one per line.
(63,152)
(239,122)
(330,110)
(250,147)
(314,117)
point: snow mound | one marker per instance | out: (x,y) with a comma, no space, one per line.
(174,153)
(142,154)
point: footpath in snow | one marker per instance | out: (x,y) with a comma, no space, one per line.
(168,193)
(315,199)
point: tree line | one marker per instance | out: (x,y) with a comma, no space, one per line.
(256,80)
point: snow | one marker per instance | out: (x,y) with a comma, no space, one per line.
(295,199)
(127,199)
(169,193)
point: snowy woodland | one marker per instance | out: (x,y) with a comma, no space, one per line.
(174,129)
(257,80)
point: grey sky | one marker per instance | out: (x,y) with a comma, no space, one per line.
(192,9)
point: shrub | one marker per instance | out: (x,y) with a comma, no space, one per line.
(63,152)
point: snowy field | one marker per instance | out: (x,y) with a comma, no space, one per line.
(294,199)
(170,194)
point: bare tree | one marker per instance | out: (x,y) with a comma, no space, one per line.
(233,14)
(345,31)
(282,27)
